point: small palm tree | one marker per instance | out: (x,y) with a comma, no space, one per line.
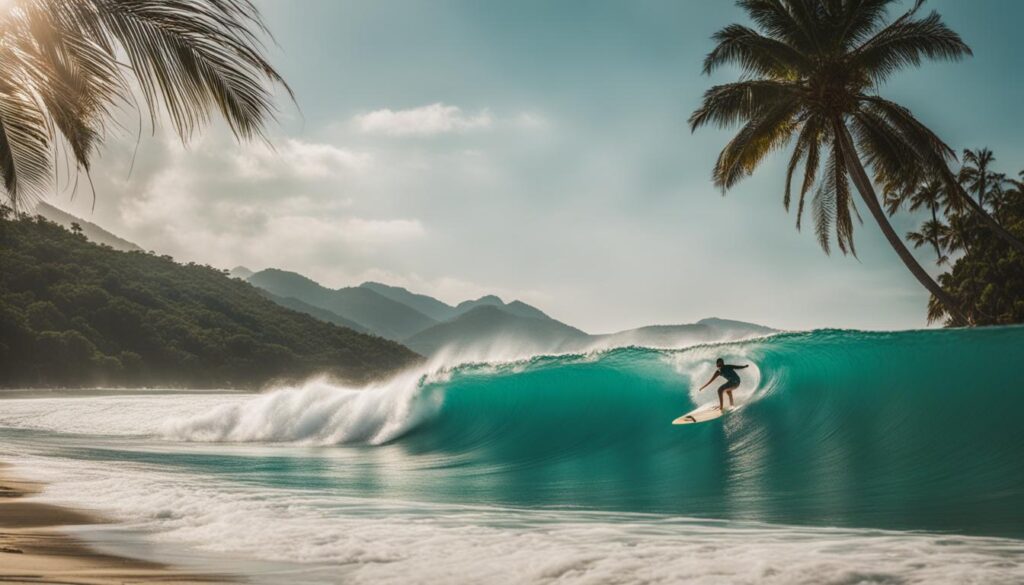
(931,234)
(66,66)
(998,192)
(76,228)
(930,195)
(975,175)
(811,70)
(975,172)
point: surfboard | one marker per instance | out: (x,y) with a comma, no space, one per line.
(703,414)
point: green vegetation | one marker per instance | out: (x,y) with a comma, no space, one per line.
(73,313)
(986,280)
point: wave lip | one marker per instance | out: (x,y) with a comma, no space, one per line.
(318,412)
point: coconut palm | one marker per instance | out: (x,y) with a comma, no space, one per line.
(811,70)
(1000,184)
(930,234)
(67,67)
(930,195)
(975,172)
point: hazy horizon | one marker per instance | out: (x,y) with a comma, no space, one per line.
(539,152)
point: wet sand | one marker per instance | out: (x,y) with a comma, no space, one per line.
(33,549)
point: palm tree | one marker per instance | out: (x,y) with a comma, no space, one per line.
(811,69)
(67,66)
(975,174)
(932,232)
(997,193)
(931,195)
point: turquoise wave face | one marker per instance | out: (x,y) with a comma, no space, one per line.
(920,430)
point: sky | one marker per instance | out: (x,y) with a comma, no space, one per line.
(539,151)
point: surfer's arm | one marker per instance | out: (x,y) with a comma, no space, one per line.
(739,367)
(709,381)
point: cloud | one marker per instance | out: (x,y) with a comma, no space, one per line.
(362,230)
(298,159)
(432,119)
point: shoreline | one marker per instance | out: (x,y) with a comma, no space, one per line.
(35,549)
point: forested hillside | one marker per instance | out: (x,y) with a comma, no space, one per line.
(74,313)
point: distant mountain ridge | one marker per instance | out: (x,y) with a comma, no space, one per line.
(483,326)
(441,311)
(488,327)
(90,230)
(429,306)
(378,314)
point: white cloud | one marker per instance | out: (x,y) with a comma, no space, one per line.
(295,158)
(427,120)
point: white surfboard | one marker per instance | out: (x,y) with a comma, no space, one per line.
(704,414)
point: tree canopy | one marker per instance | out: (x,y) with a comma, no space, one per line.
(74,313)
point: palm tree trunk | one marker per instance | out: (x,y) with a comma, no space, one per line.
(935,234)
(867,192)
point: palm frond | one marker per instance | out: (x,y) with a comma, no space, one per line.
(823,208)
(894,166)
(782,21)
(908,42)
(931,151)
(725,105)
(860,19)
(192,57)
(62,65)
(759,137)
(805,150)
(25,143)
(811,167)
(833,204)
(754,53)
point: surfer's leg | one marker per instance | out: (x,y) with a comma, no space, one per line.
(727,387)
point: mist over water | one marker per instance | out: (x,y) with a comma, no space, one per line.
(569,462)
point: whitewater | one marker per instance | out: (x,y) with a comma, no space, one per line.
(860,457)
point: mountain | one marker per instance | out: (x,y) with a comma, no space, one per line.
(441,311)
(489,329)
(736,329)
(322,314)
(484,327)
(704,331)
(92,231)
(429,306)
(379,314)
(240,272)
(485,301)
(73,313)
(523,310)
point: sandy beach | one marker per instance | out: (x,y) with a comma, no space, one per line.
(33,549)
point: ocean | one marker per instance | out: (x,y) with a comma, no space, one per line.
(859,457)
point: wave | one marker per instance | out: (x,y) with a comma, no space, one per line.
(913,429)
(916,428)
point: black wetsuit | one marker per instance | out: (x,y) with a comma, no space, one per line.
(732,379)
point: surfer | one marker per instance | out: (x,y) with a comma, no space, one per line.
(732,381)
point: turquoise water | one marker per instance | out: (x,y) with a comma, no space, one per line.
(875,440)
